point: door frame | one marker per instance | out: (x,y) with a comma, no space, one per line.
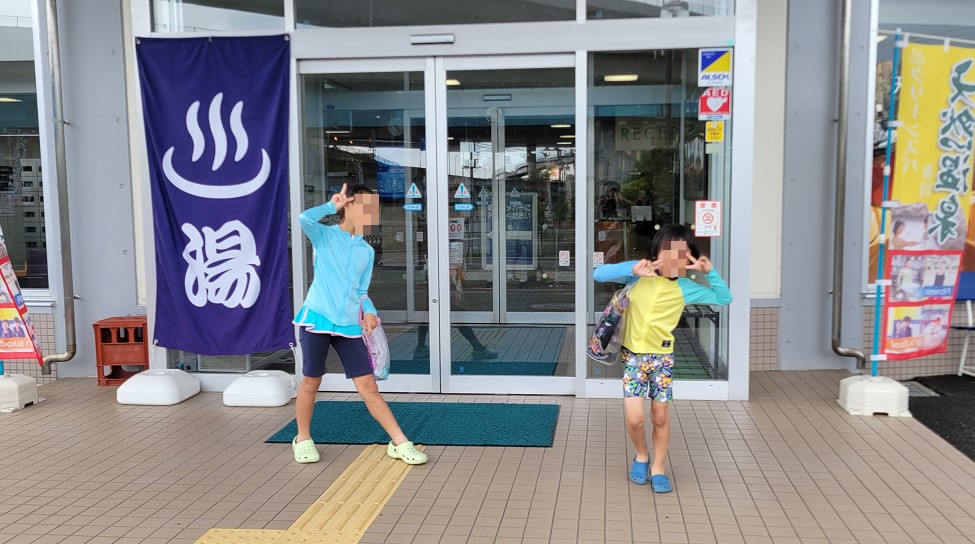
(498,267)
(409,383)
(501,385)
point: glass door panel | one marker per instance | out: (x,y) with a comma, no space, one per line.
(509,188)
(370,128)
(650,160)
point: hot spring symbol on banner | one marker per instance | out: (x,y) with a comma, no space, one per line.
(927,195)
(219,200)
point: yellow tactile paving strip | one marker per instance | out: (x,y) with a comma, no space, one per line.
(341,515)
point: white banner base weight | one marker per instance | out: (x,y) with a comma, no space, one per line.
(17,392)
(869,395)
(158,388)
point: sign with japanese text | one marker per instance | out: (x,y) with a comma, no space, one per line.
(520,234)
(216,118)
(714,105)
(391,179)
(17,337)
(707,218)
(714,132)
(928,224)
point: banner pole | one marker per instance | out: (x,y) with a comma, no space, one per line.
(891,117)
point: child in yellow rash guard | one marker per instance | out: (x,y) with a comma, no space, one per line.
(659,292)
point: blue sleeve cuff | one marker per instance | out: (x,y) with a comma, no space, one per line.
(368,307)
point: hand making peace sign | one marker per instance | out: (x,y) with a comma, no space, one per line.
(646,269)
(702,264)
(339,199)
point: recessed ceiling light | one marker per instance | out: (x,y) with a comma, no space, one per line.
(564,143)
(7,99)
(561,126)
(450,138)
(568,136)
(453,82)
(620,78)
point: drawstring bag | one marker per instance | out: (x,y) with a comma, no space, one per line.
(606,342)
(376,345)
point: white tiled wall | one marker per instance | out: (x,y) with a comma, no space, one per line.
(764,350)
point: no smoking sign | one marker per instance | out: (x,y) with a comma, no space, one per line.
(707,218)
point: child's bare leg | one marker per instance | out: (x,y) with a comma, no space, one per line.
(305,406)
(660,417)
(369,391)
(636,427)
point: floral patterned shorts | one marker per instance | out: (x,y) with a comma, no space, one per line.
(648,375)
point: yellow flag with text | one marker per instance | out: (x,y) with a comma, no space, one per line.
(931,179)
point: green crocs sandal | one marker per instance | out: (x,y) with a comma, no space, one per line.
(305,451)
(407,452)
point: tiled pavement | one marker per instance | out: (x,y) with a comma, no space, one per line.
(787,466)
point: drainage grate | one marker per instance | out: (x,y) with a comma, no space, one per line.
(917,390)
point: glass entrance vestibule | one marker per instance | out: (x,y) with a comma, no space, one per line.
(504,179)
(489,229)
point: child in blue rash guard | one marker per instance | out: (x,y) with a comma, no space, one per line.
(657,298)
(330,316)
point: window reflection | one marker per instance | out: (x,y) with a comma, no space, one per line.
(217,15)
(377,13)
(626,9)
(21,178)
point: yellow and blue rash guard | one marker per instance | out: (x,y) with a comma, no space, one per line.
(657,303)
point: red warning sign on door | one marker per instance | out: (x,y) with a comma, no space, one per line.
(715,105)
(707,220)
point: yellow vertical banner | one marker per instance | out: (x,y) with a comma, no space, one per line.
(931,194)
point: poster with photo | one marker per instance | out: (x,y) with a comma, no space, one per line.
(902,330)
(906,275)
(17,337)
(940,274)
(919,302)
(916,330)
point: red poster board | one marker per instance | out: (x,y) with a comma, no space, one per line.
(17,337)
(919,302)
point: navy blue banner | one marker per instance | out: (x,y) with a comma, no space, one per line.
(216,115)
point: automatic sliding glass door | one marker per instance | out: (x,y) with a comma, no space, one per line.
(507,184)
(367,123)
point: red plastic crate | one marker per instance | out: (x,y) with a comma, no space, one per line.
(120,341)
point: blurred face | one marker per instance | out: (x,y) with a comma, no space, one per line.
(673,259)
(364,212)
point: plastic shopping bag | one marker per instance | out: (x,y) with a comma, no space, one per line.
(606,342)
(377,345)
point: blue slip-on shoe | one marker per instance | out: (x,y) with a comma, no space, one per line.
(660,483)
(638,474)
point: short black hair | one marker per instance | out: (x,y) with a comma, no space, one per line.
(351,190)
(673,233)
